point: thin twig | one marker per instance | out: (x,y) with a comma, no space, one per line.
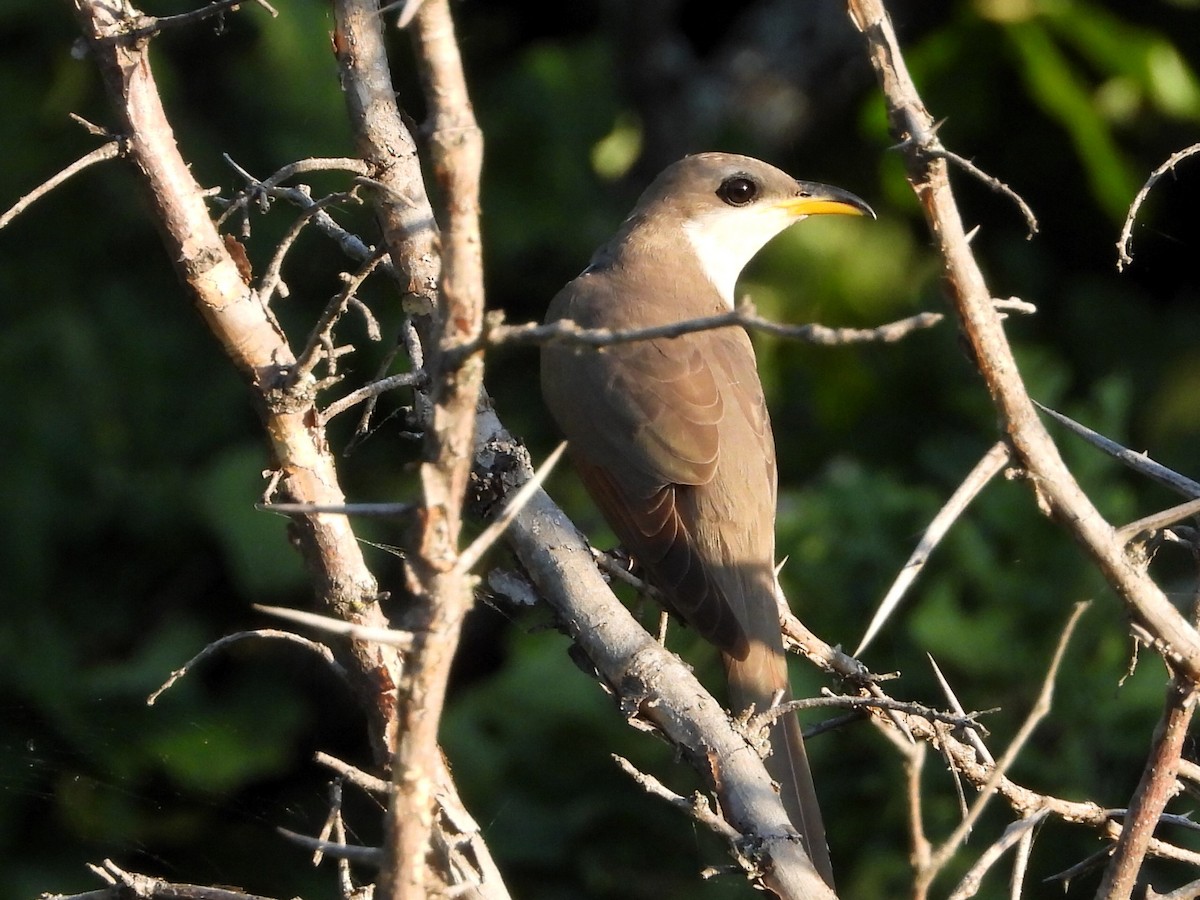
(1031,222)
(113,149)
(513,505)
(1159,520)
(368,855)
(1013,834)
(697,806)
(1021,865)
(152,25)
(744,316)
(271,280)
(958,720)
(388,636)
(1139,462)
(260,634)
(147,887)
(416,379)
(1124,243)
(992,462)
(970,730)
(366,510)
(369,783)
(322,332)
(1039,711)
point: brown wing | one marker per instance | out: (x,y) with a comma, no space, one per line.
(646,422)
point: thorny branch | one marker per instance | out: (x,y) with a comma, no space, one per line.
(1056,489)
(1125,242)
(453,342)
(219,284)
(248,335)
(446,283)
(497,333)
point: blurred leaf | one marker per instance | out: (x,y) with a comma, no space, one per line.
(1061,93)
(255,542)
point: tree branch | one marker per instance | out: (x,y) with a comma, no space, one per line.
(1055,487)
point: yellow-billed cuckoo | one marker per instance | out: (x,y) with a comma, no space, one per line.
(671,435)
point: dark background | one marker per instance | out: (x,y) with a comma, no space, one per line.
(132,458)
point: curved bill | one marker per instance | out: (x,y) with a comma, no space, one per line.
(813,199)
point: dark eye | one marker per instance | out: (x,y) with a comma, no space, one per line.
(738,190)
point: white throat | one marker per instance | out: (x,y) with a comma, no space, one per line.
(726,239)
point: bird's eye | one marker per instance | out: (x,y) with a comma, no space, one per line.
(737,190)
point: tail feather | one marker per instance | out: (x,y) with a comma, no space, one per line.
(756,680)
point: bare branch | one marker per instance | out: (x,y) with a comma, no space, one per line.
(512,506)
(388,636)
(260,634)
(113,149)
(992,462)
(1124,244)
(1057,490)
(248,336)
(697,806)
(1013,834)
(652,683)
(1157,786)
(497,333)
(1139,462)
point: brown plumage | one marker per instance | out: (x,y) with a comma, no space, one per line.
(671,436)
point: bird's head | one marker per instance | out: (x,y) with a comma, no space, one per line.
(724,208)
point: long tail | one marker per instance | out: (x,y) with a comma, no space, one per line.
(756,680)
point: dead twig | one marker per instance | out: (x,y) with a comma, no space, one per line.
(1057,491)
(1015,833)
(697,806)
(497,333)
(1139,462)
(992,462)
(260,634)
(387,636)
(1125,242)
(112,150)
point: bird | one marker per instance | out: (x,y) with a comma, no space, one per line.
(671,435)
